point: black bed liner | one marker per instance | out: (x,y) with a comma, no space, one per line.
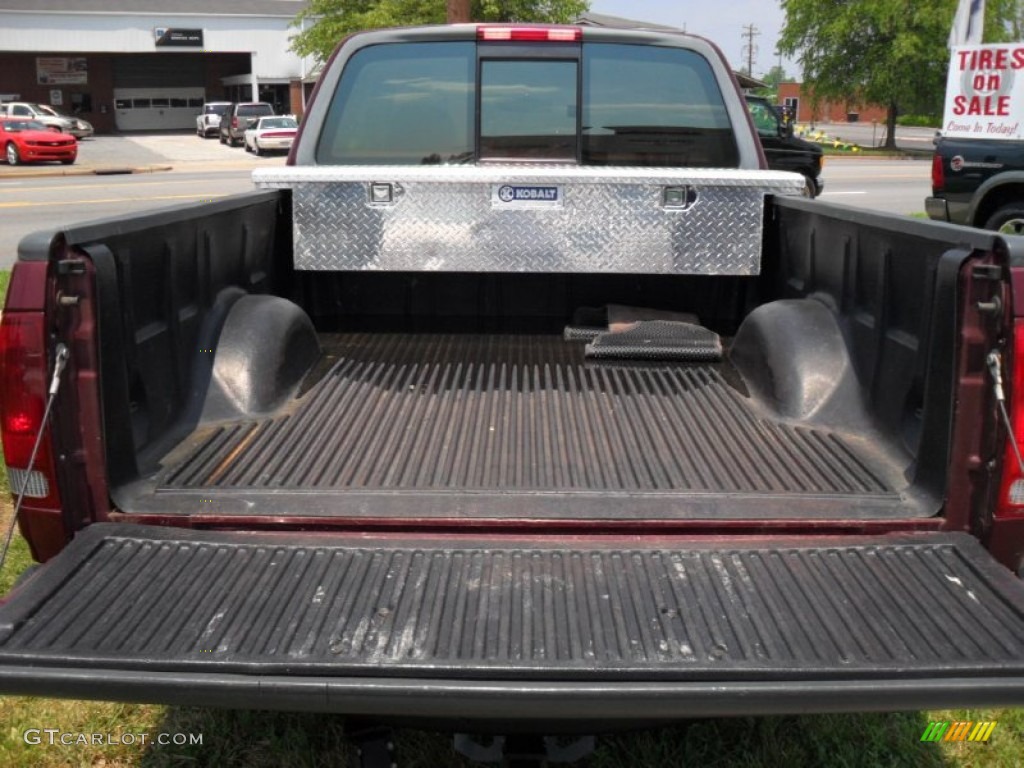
(463,425)
(124,604)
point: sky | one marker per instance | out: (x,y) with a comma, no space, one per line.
(722,22)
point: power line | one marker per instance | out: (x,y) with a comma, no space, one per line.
(750,49)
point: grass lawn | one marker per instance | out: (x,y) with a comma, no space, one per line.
(251,738)
(869,152)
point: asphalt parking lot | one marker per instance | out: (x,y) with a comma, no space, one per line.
(149,152)
(184,151)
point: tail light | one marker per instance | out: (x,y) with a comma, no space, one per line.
(530,34)
(938,174)
(1011,489)
(234,122)
(23,388)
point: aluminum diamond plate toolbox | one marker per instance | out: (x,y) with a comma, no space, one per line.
(528,219)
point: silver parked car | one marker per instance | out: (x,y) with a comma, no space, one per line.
(241,116)
(80,128)
(49,117)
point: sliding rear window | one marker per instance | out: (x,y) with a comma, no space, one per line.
(602,104)
(528,109)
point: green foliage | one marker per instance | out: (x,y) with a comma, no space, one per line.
(888,52)
(772,78)
(920,121)
(1004,21)
(324,23)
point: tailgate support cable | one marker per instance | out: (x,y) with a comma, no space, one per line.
(58,368)
(995,368)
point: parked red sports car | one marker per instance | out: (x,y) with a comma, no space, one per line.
(27,141)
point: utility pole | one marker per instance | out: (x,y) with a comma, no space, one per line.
(458,11)
(749,49)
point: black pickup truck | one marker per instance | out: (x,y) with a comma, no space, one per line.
(525,393)
(978,182)
(784,150)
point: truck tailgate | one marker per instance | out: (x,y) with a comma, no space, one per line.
(621,629)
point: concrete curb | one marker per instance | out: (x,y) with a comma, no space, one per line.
(36,173)
(194,166)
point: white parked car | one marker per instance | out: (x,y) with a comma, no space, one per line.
(271,133)
(49,117)
(208,121)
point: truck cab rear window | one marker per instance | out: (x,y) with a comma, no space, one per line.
(652,106)
(416,103)
(403,104)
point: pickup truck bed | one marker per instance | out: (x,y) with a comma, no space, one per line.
(495,422)
(335,447)
(485,425)
(827,418)
(810,415)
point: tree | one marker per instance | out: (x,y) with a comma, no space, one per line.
(459,11)
(1004,21)
(889,52)
(774,76)
(332,20)
(771,79)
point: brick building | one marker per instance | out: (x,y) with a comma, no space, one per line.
(793,94)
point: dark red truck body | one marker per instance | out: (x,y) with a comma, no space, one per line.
(409,493)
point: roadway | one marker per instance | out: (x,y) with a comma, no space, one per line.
(201,169)
(31,204)
(890,186)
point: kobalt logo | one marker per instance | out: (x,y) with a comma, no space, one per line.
(509,194)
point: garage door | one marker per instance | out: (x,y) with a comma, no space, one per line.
(157,109)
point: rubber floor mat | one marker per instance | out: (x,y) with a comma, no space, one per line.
(658,340)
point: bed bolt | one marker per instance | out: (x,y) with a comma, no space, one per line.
(994,307)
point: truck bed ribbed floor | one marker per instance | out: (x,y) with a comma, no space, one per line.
(507,415)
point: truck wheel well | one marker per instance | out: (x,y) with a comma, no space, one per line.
(265,348)
(995,200)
